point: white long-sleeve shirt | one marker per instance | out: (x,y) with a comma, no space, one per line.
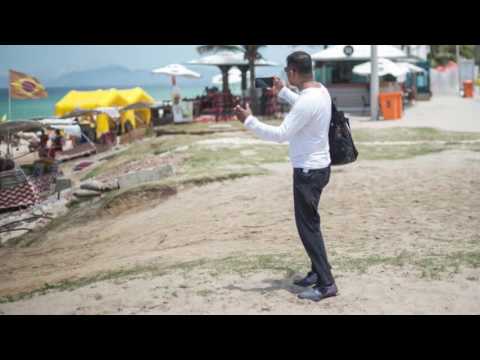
(306,127)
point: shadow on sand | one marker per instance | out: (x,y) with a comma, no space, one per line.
(271,286)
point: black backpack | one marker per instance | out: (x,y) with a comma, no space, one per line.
(342,148)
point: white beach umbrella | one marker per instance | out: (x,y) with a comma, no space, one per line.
(177,70)
(357,52)
(385,67)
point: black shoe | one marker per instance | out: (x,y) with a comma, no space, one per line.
(309,280)
(318,293)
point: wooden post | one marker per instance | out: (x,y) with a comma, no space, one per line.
(253,90)
(9,100)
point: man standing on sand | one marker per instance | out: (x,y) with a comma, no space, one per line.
(306,128)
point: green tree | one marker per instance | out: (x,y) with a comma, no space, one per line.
(251,53)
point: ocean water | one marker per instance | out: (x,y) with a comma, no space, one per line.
(28,109)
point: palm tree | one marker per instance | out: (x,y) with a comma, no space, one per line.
(251,53)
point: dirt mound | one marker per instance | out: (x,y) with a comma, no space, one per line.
(137,198)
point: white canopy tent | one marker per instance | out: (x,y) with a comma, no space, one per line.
(72,130)
(229,58)
(55,121)
(385,67)
(357,52)
(69,126)
(225,60)
(234,77)
(410,67)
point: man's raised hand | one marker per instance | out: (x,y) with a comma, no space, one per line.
(278,85)
(243,113)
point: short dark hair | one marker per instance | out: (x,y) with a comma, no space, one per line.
(301,62)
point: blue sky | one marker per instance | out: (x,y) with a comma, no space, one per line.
(50,61)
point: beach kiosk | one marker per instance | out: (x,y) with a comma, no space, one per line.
(108,110)
(92,100)
(334,68)
(138,113)
(225,61)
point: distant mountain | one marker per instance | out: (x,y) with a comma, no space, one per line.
(119,76)
(105,76)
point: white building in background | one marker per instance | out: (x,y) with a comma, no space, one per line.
(420,51)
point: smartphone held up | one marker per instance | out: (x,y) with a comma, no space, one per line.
(264,82)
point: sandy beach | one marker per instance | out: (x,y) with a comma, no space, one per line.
(403,237)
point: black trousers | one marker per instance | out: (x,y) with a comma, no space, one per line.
(307,190)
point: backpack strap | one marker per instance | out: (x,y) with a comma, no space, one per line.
(341,117)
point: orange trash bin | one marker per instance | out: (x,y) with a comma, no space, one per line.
(468,89)
(391,105)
